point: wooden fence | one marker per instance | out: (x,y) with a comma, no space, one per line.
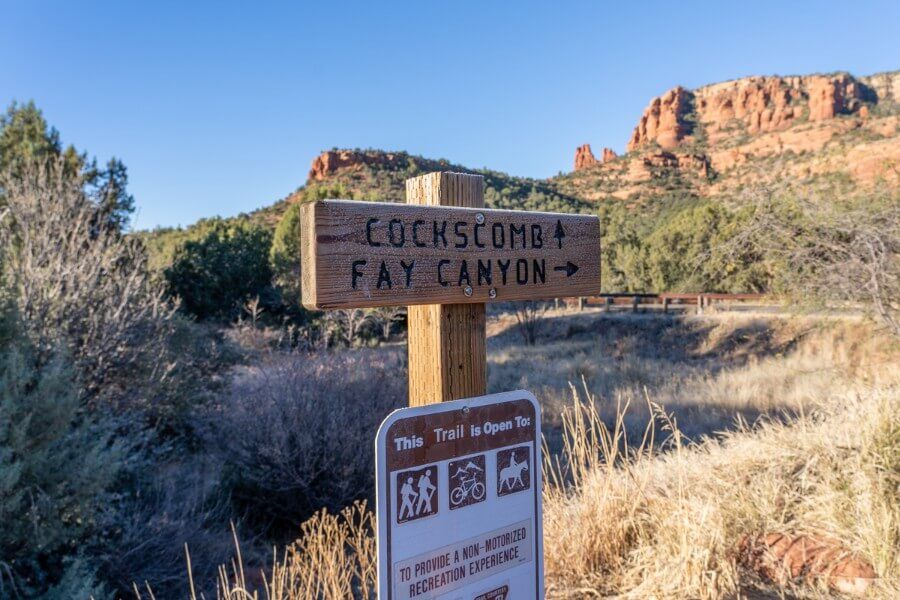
(668,300)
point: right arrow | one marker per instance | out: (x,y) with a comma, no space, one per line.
(570,269)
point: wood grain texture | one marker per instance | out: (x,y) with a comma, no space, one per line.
(366,254)
(447,353)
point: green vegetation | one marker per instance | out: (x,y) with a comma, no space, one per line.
(284,255)
(58,467)
(26,139)
(676,246)
(214,276)
(99,375)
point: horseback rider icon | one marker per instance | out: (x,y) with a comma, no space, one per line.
(514,476)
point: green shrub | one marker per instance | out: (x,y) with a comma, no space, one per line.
(678,245)
(684,254)
(57,467)
(284,256)
(216,275)
(88,290)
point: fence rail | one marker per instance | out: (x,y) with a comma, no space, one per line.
(666,300)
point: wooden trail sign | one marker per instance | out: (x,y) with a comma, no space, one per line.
(444,255)
(362,254)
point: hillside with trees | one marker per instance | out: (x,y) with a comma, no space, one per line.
(681,211)
(165,391)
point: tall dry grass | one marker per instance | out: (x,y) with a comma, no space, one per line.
(644,512)
(642,523)
(334,557)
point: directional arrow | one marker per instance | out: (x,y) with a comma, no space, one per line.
(570,269)
(560,233)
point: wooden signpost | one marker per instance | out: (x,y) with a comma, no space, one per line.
(444,256)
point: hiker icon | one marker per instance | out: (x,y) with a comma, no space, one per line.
(417,494)
(513,470)
(467,481)
(426,491)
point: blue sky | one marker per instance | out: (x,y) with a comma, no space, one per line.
(219,107)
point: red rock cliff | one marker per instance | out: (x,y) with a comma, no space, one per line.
(333,160)
(829,96)
(758,104)
(663,121)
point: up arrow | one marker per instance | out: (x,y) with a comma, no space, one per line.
(570,269)
(560,234)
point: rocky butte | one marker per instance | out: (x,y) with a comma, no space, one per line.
(584,157)
(331,161)
(718,136)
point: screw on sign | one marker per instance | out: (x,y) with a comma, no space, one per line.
(444,256)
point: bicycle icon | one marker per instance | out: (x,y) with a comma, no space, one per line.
(467,481)
(467,486)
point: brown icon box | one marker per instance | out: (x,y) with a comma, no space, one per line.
(513,470)
(417,493)
(467,479)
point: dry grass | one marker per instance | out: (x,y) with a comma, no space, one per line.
(643,512)
(668,525)
(335,557)
(707,371)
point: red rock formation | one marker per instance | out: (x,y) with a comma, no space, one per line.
(727,128)
(829,96)
(662,121)
(330,161)
(584,158)
(333,160)
(815,559)
(696,163)
(761,103)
